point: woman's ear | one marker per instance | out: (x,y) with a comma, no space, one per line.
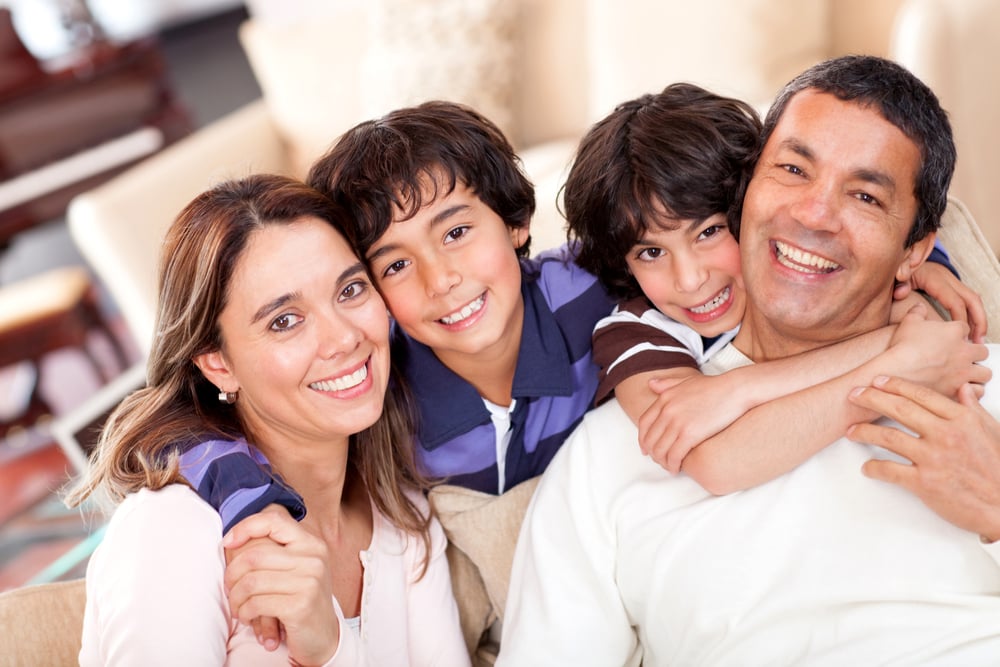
(914,257)
(519,235)
(213,366)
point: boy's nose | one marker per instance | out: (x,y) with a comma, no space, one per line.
(689,274)
(440,277)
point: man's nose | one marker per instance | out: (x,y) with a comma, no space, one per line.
(817,207)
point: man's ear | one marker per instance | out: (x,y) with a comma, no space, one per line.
(213,366)
(519,235)
(914,256)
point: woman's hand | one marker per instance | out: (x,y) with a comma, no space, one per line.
(287,577)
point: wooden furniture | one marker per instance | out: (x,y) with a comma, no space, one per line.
(69,126)
(53,310)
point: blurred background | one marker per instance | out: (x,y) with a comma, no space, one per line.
(70,84)
(115,113)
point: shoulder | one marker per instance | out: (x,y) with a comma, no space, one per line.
(561,280)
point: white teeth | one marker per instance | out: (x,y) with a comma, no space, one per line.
(343,382)
(800,260)
(722,297)
(465,312)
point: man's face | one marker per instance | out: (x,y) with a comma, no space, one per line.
(825,218)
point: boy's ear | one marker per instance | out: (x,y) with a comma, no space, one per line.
(914,256)
(213,366)
(519,235)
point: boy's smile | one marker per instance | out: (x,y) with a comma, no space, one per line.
(451,279)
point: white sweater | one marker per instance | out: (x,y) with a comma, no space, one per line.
(619,562)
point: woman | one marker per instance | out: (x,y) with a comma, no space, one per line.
(269,331)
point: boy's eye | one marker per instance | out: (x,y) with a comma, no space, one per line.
(395,267)
(649,254)
(456,233)
(285,322)
(710,231)
(353,290)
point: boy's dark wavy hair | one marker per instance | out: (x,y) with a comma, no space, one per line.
(411,156)
(680,154)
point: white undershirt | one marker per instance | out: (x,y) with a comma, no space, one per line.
(501,424)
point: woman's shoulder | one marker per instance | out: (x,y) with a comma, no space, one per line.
(174,504)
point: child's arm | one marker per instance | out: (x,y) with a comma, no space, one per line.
(956,298)
(776,436)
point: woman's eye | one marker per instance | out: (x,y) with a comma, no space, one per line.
(792,169)
(354,290)
(285,322)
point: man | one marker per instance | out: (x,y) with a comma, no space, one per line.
(619,563)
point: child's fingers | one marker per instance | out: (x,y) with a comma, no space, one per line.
(268,631)
(273,521)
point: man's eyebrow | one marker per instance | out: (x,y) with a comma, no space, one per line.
(438,219)
(280,301)
(799,148)
(874,176)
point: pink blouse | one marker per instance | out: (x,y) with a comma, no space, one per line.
(155,594)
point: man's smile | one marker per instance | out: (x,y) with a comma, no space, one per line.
(802,261)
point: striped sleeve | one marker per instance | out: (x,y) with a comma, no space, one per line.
(634,339)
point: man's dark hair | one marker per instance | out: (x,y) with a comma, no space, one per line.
(903,100)
(680,154)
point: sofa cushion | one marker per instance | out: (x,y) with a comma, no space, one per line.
(482,532)
(747,49)
(457,50)
(307,70)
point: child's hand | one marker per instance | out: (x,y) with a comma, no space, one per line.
(686,412)
(956,297)
(936,354)
(270,560)
(267,630)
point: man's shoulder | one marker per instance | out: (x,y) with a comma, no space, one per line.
(605,444)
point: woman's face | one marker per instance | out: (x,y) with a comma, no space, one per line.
(305,337)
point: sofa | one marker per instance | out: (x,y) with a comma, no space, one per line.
(544,70)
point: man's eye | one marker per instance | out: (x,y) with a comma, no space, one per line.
(868,199)
(792,169)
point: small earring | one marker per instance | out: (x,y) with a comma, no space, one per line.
(227,397)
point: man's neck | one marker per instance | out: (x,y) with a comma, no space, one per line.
(761,341)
